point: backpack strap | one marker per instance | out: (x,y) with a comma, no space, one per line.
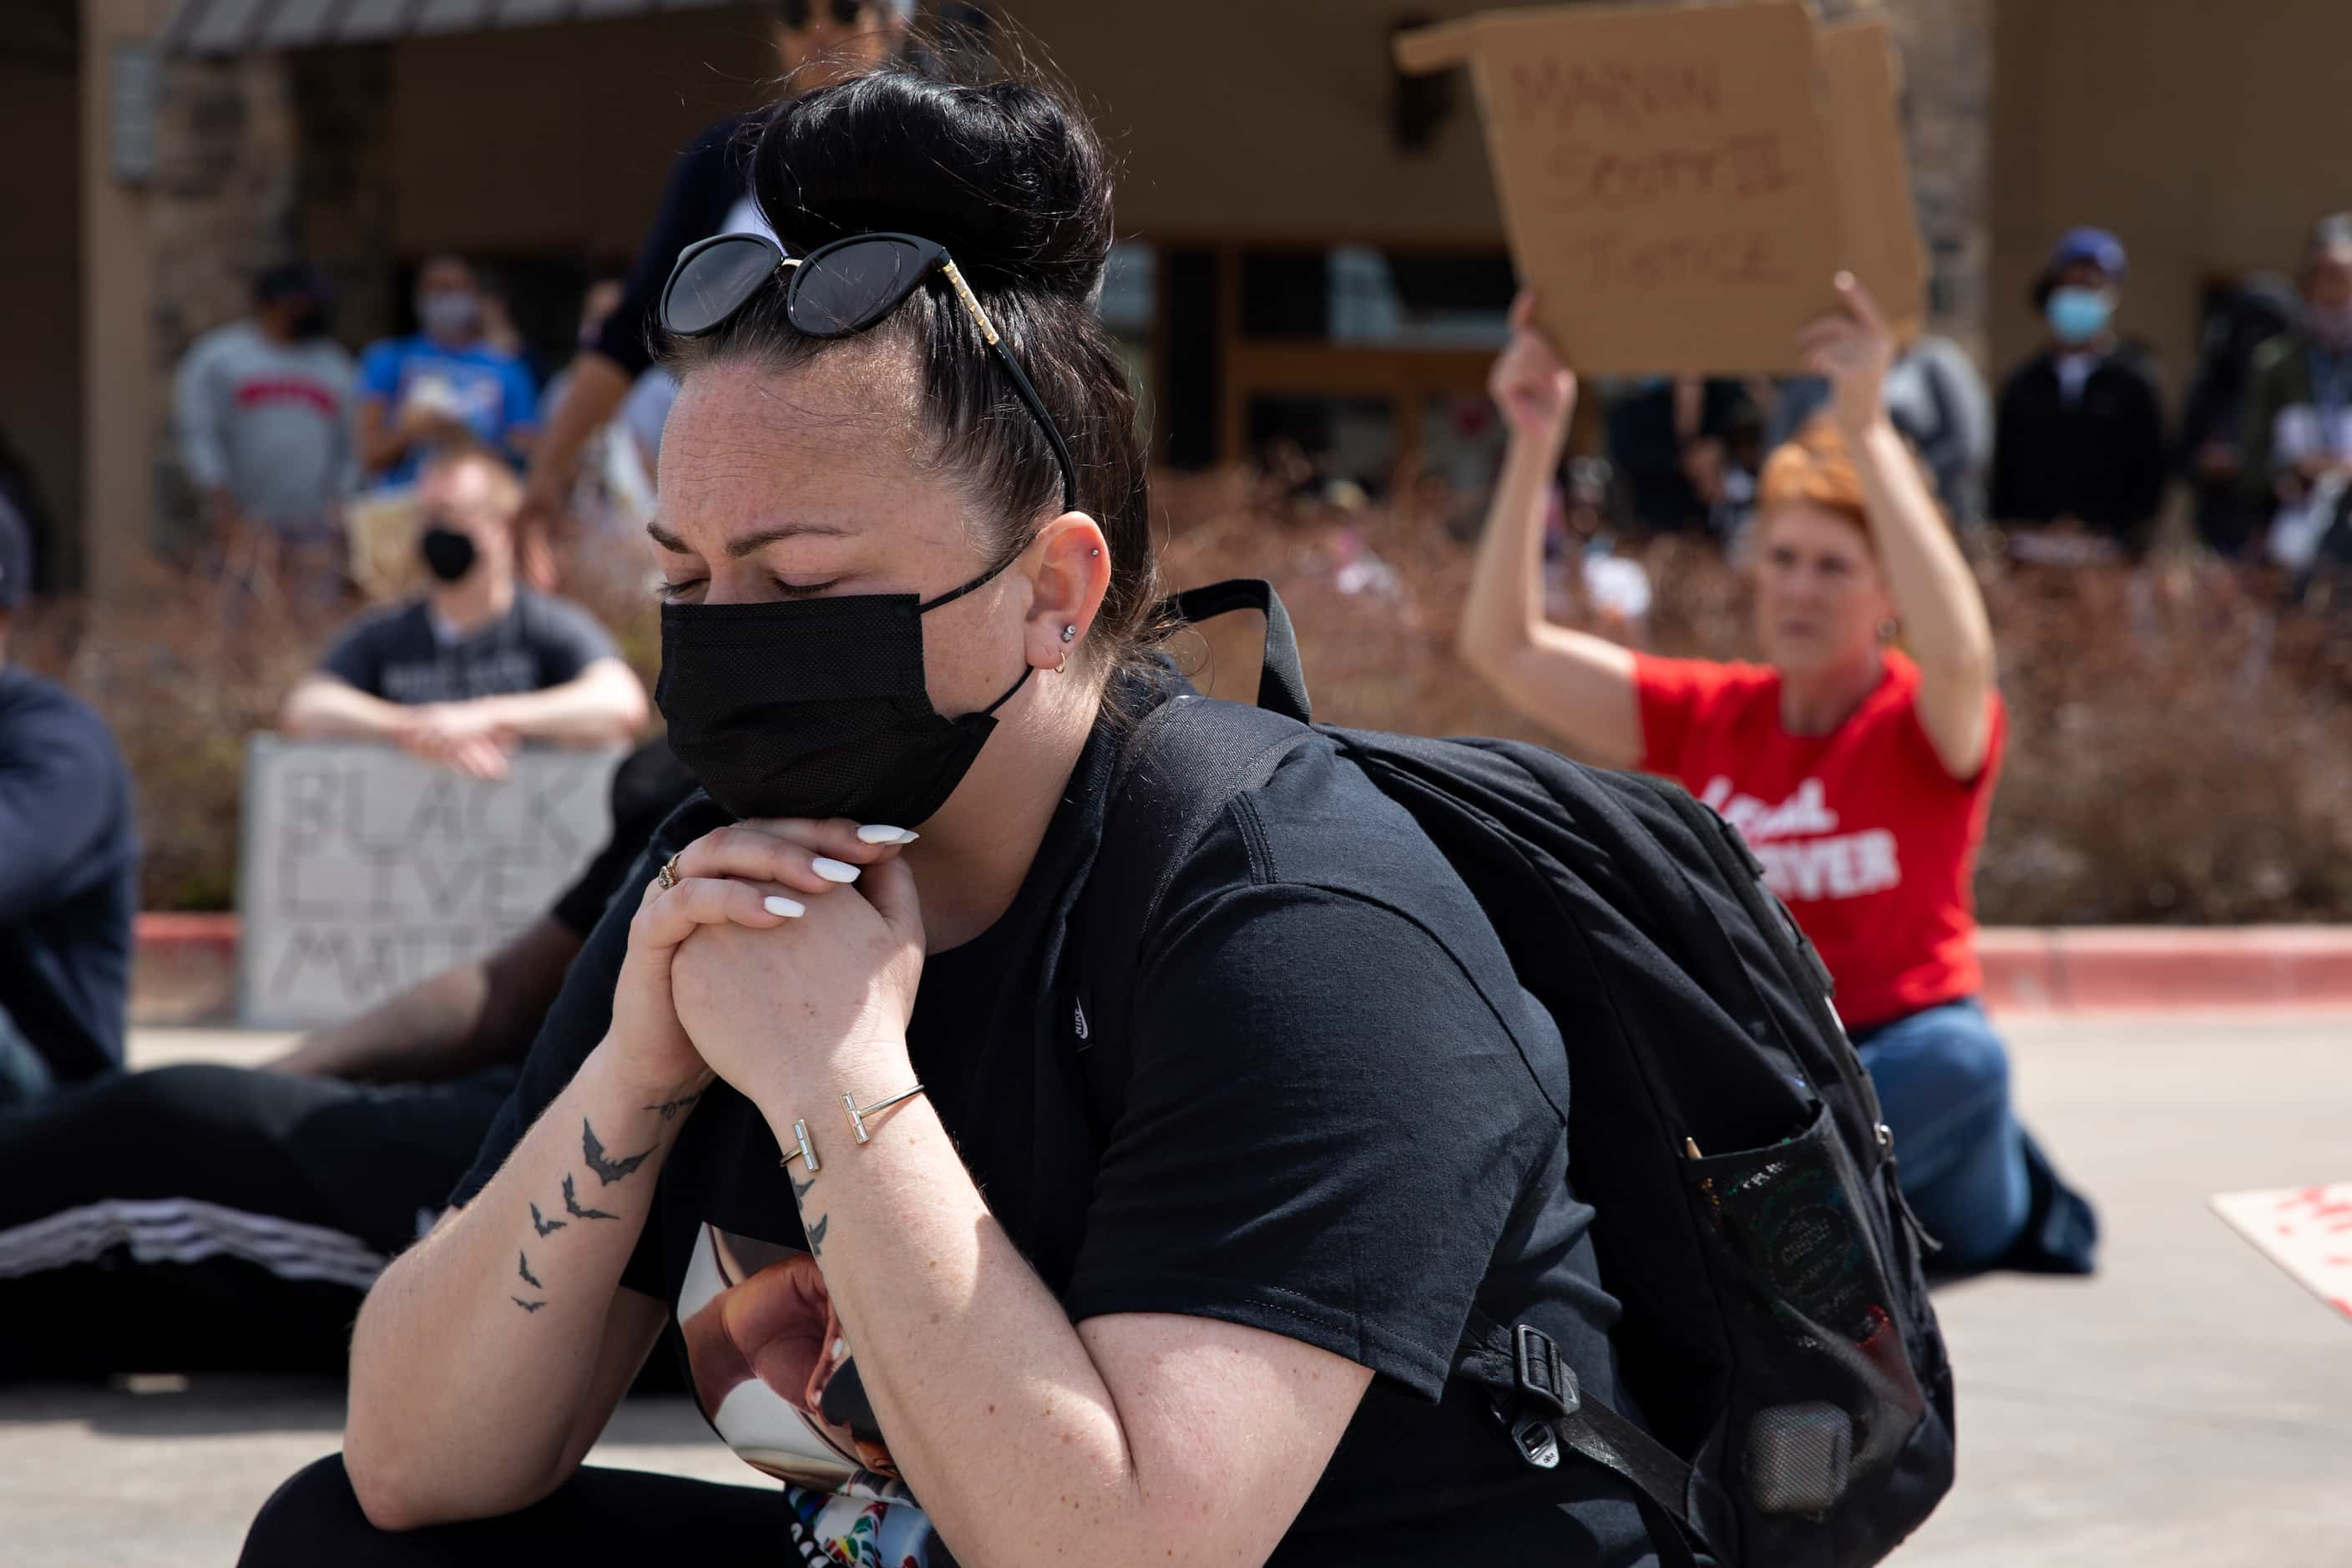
(1281,683)
(1175,775)
(1533,1390)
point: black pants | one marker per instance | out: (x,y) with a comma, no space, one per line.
(208,1218)
(608,1516)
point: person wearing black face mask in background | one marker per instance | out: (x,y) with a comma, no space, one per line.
(446,383)
(478,664)
(262,410)
(2298,430)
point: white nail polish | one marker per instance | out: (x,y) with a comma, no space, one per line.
(834,870)
(880,835)
(776,905)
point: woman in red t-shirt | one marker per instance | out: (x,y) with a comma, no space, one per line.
(1859,774)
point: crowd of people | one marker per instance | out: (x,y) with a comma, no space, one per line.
(1231,1320)
(2075,456)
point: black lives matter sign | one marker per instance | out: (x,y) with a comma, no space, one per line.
(365,871)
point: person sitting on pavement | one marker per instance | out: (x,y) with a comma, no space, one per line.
(1042,1309)
(1861,775)
(479,663)
(447,383)
(206,1217)
(69,869)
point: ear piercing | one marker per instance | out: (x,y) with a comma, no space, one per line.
(1070,634)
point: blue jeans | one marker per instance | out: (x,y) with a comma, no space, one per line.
(1942,1083)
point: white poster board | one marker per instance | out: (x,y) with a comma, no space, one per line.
(2307,1231)
(365,871)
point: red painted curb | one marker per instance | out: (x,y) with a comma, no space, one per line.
(163,930)
(2110,968)
(183,968)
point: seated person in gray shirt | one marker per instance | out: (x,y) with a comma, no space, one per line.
(479,664)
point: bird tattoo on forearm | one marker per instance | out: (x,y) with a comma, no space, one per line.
(607,1172)
(571,1205)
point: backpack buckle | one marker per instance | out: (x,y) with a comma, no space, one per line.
(1544,1376)
(1538,1443)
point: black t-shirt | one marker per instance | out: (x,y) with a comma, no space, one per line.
(1328,1134)
(69,877)
(399,655)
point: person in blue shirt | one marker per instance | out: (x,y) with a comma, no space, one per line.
(448,381)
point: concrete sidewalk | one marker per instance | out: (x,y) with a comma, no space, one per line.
(2191,1406)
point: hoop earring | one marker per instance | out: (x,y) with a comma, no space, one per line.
(1889,630)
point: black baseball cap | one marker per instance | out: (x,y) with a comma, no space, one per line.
(15,557)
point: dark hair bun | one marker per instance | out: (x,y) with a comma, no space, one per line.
(1006,175)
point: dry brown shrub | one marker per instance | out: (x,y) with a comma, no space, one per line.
(182,669)
(2180,751)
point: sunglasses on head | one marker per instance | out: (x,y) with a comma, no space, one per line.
(836,289)
(796,14)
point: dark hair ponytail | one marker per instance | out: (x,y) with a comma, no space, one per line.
(1008,175)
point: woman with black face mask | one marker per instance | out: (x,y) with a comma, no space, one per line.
(818,1096)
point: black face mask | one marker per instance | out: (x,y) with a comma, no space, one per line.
(449,555)
(816,708)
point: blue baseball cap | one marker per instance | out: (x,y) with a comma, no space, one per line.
(2095,246)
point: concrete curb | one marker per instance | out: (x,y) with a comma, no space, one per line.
(186,968)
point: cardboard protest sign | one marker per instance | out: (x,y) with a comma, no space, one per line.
(1883,248)
(2307,1231)
(1672,178)
(364,869)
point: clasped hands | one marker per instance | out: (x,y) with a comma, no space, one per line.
(784,959)
(466,737)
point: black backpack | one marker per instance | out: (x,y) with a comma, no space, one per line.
(1777,1331)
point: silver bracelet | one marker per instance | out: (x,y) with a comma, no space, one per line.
(806,1152)
(857,1118)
